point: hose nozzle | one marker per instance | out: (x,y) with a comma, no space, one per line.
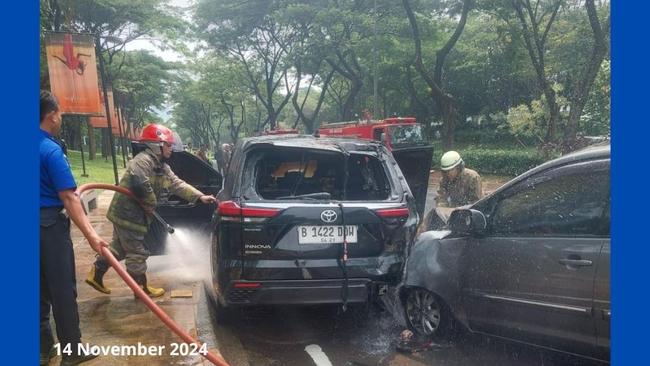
(169,228)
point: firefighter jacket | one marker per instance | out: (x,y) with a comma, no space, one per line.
(466,188)
(150,180)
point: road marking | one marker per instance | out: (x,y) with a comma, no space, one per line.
(316,353)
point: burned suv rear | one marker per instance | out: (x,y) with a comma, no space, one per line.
(308,220)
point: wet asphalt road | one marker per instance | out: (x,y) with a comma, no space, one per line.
(281,335)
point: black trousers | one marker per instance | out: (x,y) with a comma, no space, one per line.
(58,281)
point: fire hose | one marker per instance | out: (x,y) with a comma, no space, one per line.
(215,358)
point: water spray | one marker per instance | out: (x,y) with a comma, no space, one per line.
(214,357)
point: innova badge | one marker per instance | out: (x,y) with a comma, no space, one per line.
(328,216)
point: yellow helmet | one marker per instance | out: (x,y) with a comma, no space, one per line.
(450,160)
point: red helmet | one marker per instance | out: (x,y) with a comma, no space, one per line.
(156,133)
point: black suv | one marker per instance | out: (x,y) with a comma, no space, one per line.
(289,203)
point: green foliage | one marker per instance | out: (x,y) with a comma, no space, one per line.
(509,162)
(141,83)
(489,70)
(212,103)
(223,93)
(529,121)
(595,120)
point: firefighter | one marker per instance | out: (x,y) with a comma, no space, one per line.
(149,177)
(459,186)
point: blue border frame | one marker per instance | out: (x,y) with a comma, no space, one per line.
(630,137)
(19,271)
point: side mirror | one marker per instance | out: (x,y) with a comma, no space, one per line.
(467,221)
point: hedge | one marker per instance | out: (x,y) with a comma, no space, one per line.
(502,138)
(497,161)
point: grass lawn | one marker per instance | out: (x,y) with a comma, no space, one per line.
(98,170)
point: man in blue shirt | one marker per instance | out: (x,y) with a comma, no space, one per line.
(59,203)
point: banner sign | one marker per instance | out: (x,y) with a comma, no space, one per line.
(101,121)
(73,72)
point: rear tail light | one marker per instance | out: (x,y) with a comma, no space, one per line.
(393,213)
(228,208)
(231,211)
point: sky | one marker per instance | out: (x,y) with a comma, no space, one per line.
(153,45)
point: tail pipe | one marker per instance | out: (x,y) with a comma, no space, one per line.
(214,357)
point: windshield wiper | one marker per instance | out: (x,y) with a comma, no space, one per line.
(309,196)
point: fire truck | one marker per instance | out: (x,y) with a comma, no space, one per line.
(403,137)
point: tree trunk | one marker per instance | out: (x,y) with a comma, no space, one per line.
(535,41)
(449,118)
(353,76)
(106,146)
(554,114)
(348,106)
(446,103)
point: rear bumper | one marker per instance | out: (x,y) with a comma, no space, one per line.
(299,292)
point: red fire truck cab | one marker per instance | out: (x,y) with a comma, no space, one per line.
(395,132)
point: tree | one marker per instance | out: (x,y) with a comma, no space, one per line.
(211,101)
(252,35)
(445,102)
(536,21)
(580,93)
(143,82)
(307,64)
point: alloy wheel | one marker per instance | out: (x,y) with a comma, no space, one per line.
(423,312)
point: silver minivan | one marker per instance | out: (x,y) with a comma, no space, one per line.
(530,262)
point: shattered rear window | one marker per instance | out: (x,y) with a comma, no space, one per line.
(281,174)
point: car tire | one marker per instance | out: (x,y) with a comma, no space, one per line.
(220,314)
(223,315)
(426,314)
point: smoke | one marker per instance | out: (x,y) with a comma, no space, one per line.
(187,256)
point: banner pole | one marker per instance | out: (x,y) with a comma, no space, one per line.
(102,71)
(119,124)
(81,147)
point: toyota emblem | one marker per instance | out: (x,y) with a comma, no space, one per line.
(328,216)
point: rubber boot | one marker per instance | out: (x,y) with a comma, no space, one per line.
(141,280)
(75,359)
(96,279)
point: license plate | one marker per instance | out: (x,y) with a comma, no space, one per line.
(326,234)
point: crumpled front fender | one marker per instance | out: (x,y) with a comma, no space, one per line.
(435,264)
